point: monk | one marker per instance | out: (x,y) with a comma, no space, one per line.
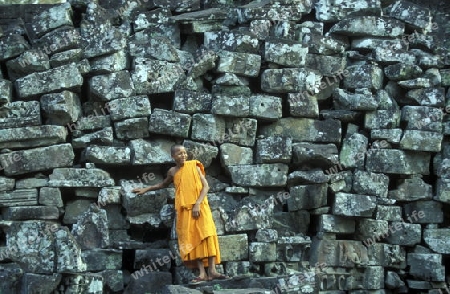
(197,237)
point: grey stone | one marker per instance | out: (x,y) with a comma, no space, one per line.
(369,183)
(307,197)
(234,247)
(12,46)
(50,197)
(234,41)
(362,99)
(389,135)
(274,149)
(37,159)
(328,66)
(433,97)
(292,80)
(114,62)
(307,177)
(437,240)
(416,83)
(58,40)
(329,223)
(372,43)
(405,234)
(382,119)
(231,154)
(156,151)
(426,266)
(80,177)
(231,106)
(150,202)
(113,279)
(411,190)
(422,118)
(7,184)
(241,131)
(91,229)
(101,40)
(393,161)
(18,197)
(158,47)
(107,155)
(416,16)
(145,19)
(261,10)
(28,137)
(301,105)
(393,280)
(28,62)
(40,283)
(179,289)
(338,253)
(153,282)
(170,123)
(331,13)
(18,213)
(262,252)
(112,86)
(49,81)
(130,107)
(102,259)
(155,76)
(296,222)
(154,259)
(132,128)
(202,152)
(305,129)
(261,175)
(38,181)
(388,55)
(314,155)
(421,141)
(69,56)
(370,228)
(104,136)
(402,71)
(424,212)
(239,63)
(19,114)
(191,102)
(61,108)
(205,62)
(319,44)
(91,123)
(68,253)
(5,91)
(353,151)
(389,213)
(369,26)
(354,204)
(284,52)
(109,195)
(266,235)
(363,76)
(265,107)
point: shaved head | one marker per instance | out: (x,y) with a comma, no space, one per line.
(174,148)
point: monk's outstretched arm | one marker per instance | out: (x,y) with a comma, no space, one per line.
(203,192)
(164,184)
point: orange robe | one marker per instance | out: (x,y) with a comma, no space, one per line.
(197,238)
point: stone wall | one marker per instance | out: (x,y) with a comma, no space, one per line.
(323,126)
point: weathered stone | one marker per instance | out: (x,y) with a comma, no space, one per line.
(239,63)
(433,97)
(274,149)
(37,159)
(50,197)
(7,184)
(307,197)
(405,234)
(322,155)
(261,175)
(234,41)
(393,161)
(130,107)
(66,77)
(372,43)
(112,86)
(261,10)
(28,137)
(325,45)
(28,62)
(152,282)
(80,177)
(231,106)
(159,48)
(388,55)
(40,283)
(107,154)
(329,223)
(104,136)
(389,213)
(266,235)
(353,151)
(61,108)
(328,66)
(241,131)
(416,83)
(55,17)
(68,253)
(437,240)
(284,52)
(422,118)
(155,76)
(132,128)
(136,205)
(69,56)
(231,154)
(354,204)
(362,99)
(234,247)
(421,141)
(389,135)
(12,46)
(307,177)
(370,228)
(30,213)
(369,26)
(411,190)
(191,102)
(415,15)
(150,152)
(304,129)
(5,91)
(382,119)
(58,40)
(265,107)
(101,259)
(114,62)
(292,80)
(302,105)
(287,222)
(424,212)
(338,253)
(91,229)
(109,195)
(170,123)
(363,76)
(260,251)
(369,183)
(91,123)
(18,197)
(260,28)
(202,152)
(327,12)
(402,71)
(205,61)
(426,266)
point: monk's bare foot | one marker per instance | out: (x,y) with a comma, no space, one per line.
(217,276)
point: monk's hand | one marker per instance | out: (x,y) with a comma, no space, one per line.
(139,191)
(196,210)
